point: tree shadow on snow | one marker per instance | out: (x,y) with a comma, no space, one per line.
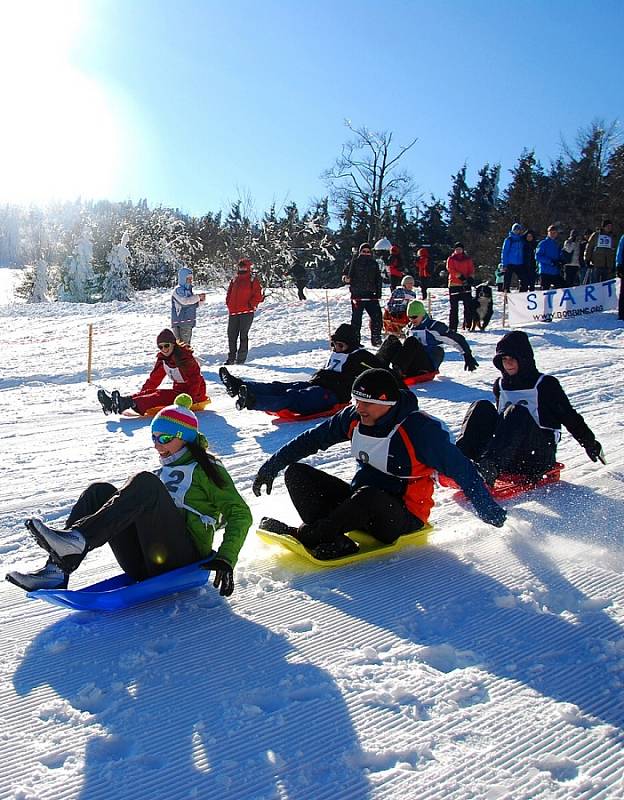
(191,700)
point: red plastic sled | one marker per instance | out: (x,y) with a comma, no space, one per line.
(509,485)
(286,415)
(424,377)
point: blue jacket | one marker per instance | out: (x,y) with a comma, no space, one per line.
(512,253)
(548,257)
(619,254)
(418,447)
(183,301)
(435,336)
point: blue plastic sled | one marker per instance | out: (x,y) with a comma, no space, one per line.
(115,594)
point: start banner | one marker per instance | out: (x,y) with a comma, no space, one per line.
(555,304)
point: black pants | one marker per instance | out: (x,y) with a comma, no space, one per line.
(621,300)
(550,282)
(409,357)
(300,287)
(424,283)
(512,440)
(140,522)
(318,496)
(521,274)
(570,275)
(373,310)
(457,295)
(238,327)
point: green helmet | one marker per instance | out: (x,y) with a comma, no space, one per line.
(416,309)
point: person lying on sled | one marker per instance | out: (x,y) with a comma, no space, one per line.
(175,360)
(157,521)
(520,433)
(326,388)
(423,348)
(398,451)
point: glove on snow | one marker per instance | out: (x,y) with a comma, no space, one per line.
(470,362)
(594,451)
(265,477)
(223,576)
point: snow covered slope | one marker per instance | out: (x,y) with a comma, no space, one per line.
(489,664)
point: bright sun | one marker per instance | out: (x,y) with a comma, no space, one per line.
(58,134)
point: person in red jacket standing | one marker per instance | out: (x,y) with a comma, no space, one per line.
(461,271)
(175,360)
(243,296)
(395,267)
(423,265)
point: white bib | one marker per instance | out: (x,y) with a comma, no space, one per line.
(604,240)
(336,361)
(177,481)
(174,373)
(527,398)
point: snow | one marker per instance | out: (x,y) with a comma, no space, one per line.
(488,664)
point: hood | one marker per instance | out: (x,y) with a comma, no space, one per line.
(346,333)
(183,274)
(517,237)
(517,345)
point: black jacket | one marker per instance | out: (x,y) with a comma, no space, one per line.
(364,278)
(340,383)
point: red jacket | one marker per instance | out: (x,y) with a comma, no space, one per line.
(244,294)
(459,268)
(395,264)
(183,369)
(422,264)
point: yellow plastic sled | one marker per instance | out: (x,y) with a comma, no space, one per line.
(369,546)
(151,412)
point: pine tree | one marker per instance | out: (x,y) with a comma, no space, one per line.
(77,277)
(117,281)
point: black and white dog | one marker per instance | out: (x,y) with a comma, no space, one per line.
(482,307)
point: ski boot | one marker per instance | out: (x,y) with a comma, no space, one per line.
(231,383)
(276,526)
(66,548)
(48,577)
(106,401)
(246,399)
(120,403)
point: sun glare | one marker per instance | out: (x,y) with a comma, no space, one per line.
(58,136)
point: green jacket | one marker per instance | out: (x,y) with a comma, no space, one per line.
(225,504)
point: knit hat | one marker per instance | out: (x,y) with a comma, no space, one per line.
(407,279)
(458,244)
(517,228)
(245,264)
(378,386)
(395,249)
(166,335)
(177,420)
(365,245)
(345,333)
(416,309)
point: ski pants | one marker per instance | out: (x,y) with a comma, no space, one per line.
(373,309)
(319,497)
(457,295)
(140,522)
(410,357)
(521,274)
(512,440)
(299,396)
(238,328)
(162,397)
(182,332)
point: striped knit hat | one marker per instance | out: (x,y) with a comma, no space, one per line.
(177,420)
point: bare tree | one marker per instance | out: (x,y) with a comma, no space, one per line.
(366,173)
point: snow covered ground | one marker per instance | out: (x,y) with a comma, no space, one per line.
(489,664)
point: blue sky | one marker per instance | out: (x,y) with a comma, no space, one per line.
(194,104)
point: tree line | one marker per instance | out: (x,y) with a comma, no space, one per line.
(369,196)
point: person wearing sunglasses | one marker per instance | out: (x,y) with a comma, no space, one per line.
(423,349)
(175,360)
(365,283)
(158,521)
(325,389)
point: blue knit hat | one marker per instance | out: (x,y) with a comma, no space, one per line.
(177,420)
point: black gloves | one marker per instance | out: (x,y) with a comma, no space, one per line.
(223,576)
(494,515)
(265,477)
(470,362)
(594,451)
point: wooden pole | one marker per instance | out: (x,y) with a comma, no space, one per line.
(328,318)
(89,352)
(504,308)
(429,303)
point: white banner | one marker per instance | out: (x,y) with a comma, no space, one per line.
(555,304)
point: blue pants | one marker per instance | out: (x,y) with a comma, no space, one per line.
(373,309)
(301,397)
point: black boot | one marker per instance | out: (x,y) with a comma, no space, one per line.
(276,526)
(246,398)
(120,403)
(232,383)
(389,350)
(106,401)
(489,470)
(340,547)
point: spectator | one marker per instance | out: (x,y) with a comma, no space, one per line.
(512,257)
(600,252)
(572,248)
(243,296)
(300,278)
(184,306)
(395,267)
(619,270)
(584,273)
(423,265)
(460,278)
(499,278)
(364,279)
(530,243)
(548,258)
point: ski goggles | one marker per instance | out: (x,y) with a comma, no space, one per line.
(163,438)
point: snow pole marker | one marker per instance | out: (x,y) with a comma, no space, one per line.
(89,351)
(504,308)
(328,318)
(429,303)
